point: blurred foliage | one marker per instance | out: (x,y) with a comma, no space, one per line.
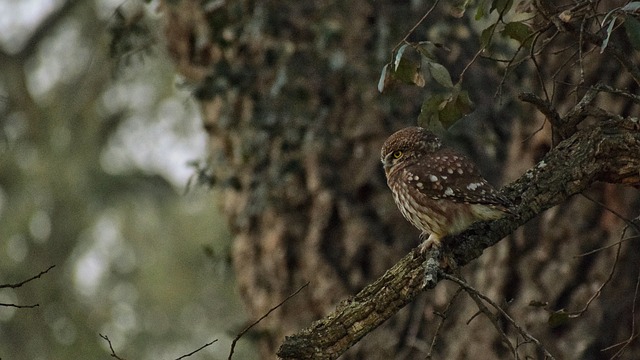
(93,171)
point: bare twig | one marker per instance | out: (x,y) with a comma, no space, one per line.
(630,223)
(235,340)
(633,334)
(443,317)
(522,331)
(114,355)
(413,340)
(597,293)
(196,350)
(493,319)
(113,352)
(540,78)
(415,26)
(606,247)
(609,89)
(544,106)
(19,306)
(17,285)
(512,61)
(578,112)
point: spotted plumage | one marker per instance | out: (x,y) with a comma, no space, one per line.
(437,189)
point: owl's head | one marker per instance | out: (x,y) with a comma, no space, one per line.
(407,145)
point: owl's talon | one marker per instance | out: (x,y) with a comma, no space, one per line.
(430,242)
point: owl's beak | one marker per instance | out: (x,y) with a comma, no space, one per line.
(387,163)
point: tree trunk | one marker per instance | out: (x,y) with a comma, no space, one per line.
(288,96)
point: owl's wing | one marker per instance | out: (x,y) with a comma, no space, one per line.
(449,175)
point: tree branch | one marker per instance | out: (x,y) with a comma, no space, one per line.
(19,284)
(608,152)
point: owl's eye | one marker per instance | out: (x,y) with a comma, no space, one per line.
(397,154)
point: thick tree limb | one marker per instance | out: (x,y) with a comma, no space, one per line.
(607,152)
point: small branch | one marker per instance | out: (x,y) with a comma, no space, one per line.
(575,116)
(113,352)
(443,317)
(233,344)
(17,285)
(415,26)
(114,355)
(196,350)
(606,247)
(482,48)
(615,213)
(633,334)
(522,331)
(20,306)
(599,291)
(609,89)
(543,106)
(612,48)
(493,319)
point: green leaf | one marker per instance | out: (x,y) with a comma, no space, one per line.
(558,318)
(455,108)
(485,37)
(427,49)
(384,78)
(538,303)
(408,71)
(482,8)
(632,6)
(396,62)
(429,113)
(440,74)
(518,32)
(632,27)
(465,103)
(606,40)
(459,8)
(443,110)
(501,6)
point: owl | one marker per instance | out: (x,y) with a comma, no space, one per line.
(438,190)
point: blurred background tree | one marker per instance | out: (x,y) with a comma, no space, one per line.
(96,142)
